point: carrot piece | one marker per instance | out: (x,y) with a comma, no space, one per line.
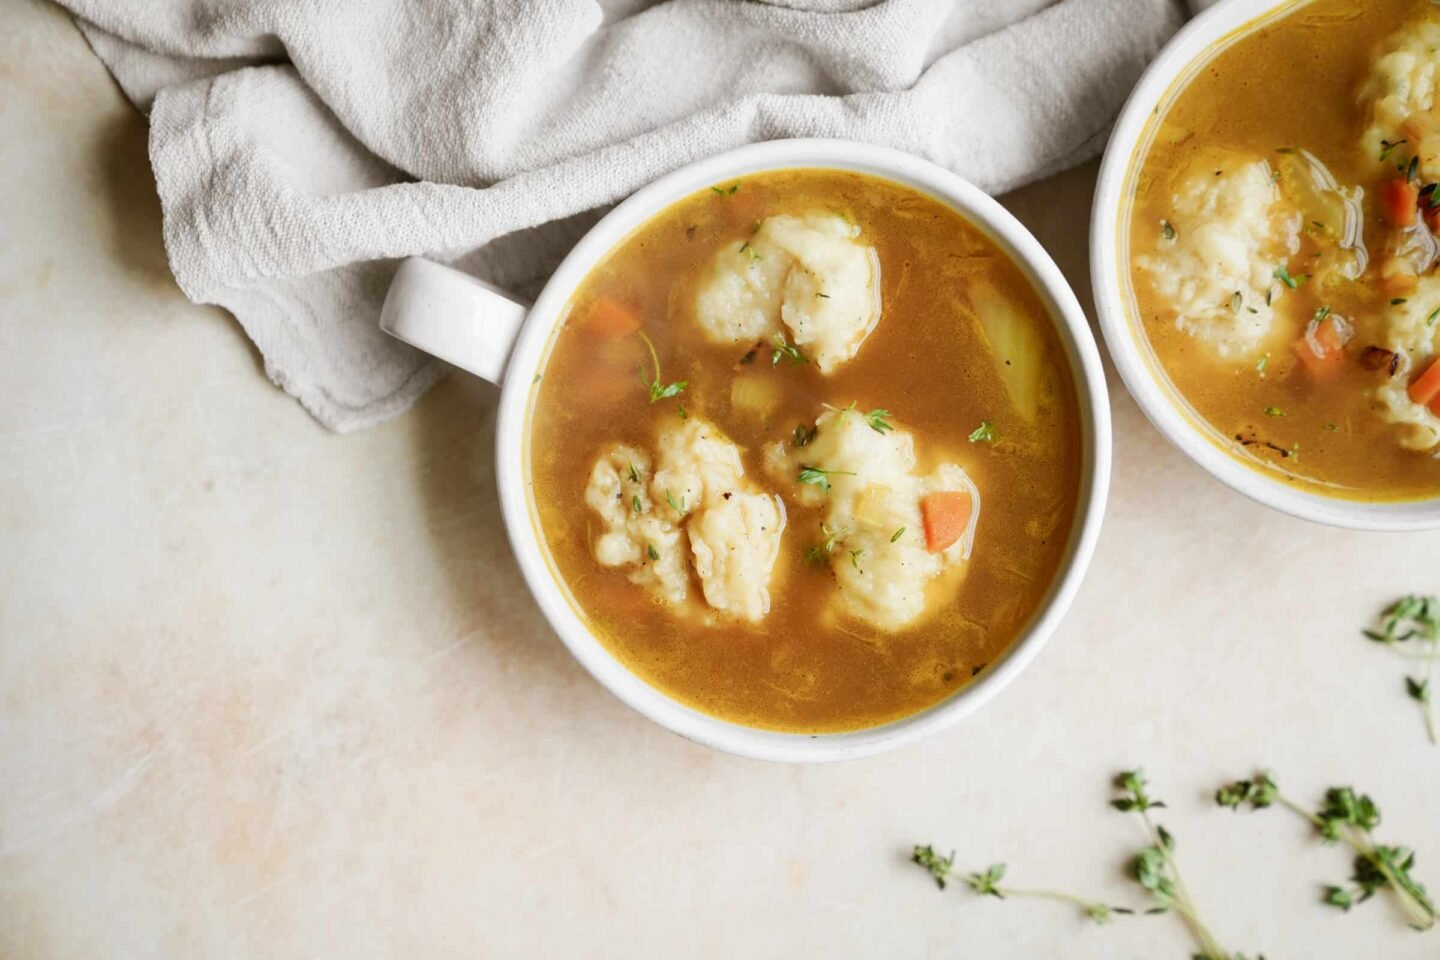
(946,516)
(1400,198)
(1325,363)
(612,319)
(1425,388)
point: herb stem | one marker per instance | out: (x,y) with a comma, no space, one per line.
(1430,691)
(1363,844)
(1091,907)
(1184,903)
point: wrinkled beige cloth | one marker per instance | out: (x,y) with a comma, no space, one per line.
(301,146)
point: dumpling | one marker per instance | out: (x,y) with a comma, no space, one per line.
(1415,340)
(873,535)
(1401,96)
(807,279)
(1216,266)
(695,508)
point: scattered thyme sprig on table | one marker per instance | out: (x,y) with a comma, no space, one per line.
(1155,869)
(987,884)
(1414,618)
(1346,817)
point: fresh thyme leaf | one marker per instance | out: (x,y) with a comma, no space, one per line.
(803,434)
(1167,230)
(1237,300)
(822,296)
(1333,428)
(879,420)
(1413,170)
(1415,618)
(1397,301)
(680,409)
(634,474)
(938,867)
(1322,313)
(985,433)
(825,547)
(635,503)
(1430,320)
(1386,148)
(670,499)
(1348,817)
(821,478)
(897,535)
(784,349)
(657,390)
(724,191)
(1261,364)
(1282,273)
(652,552)
(1274,412)
(855,556)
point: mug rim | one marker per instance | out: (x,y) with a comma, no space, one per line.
(530,352)
(1147,382)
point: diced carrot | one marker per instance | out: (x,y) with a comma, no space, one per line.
(611,318)
(1398,282)
(1330,342)
(1425,389)
(946,516)
(1399,199)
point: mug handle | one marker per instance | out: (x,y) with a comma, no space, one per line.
(453,316)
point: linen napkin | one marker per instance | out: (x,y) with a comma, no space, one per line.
(301,146)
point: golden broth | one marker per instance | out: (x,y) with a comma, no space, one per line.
(1291,82)
(926,362)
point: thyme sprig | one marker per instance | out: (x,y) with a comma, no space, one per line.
(1414,618)
(1346,817)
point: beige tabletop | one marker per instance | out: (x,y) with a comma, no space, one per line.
(270,692)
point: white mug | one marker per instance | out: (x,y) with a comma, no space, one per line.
(493,335)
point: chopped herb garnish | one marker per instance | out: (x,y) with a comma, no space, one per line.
(680,409)
(897,535)
(804,434)
(725,192)
(1430,320)
(744,246)
(1167,230)
(825,547)
(1237,300)
(1397,301)
(1261,364)
(1321,314)
(634,474)
(821,478)
(879,420)
(1386,148)
(635,502)
(536,380)
(985,433)
(1333,428)
(677,507)
(652,552)
(785,349)
(657,390)
(1282,273)
(1274,412)
(822,296)
(1413,170)
(855,556)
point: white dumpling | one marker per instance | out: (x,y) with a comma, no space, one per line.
(1415,339)
(806,278)
(1215,268)
(1401,96)
(873,537)
(696,508)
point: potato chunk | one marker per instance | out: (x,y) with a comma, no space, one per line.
(807,279)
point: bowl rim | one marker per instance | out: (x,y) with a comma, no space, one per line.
(531,350)
(1143,378)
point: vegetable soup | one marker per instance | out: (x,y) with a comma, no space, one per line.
(806,451)
(1282,246)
